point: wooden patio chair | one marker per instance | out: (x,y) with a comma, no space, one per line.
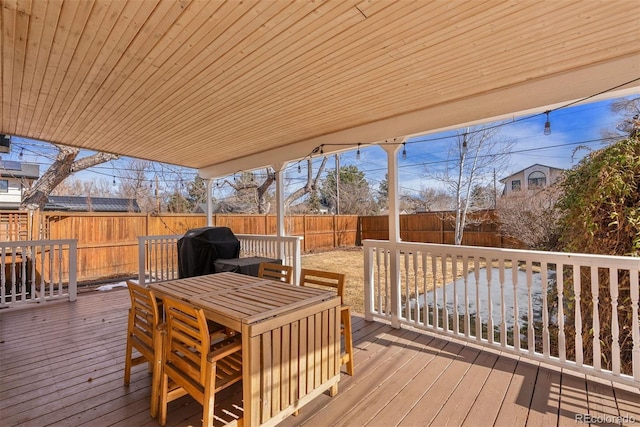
(190,364)
(282,273)
(327,279)
(142,333)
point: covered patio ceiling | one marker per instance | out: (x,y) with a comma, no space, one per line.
(228,86)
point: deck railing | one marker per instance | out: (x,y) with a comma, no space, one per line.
(158,255)
(37,271)
(575,311)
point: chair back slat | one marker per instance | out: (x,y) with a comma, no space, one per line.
(282,273)
(187,341)
(323,279)
(144,317)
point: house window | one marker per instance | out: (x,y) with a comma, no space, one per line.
(515,185)
(4,186)
(537,180)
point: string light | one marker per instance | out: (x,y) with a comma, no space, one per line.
(547,124)
(299,167)
(404,151)
(114,180)
(21,155)
(358,152)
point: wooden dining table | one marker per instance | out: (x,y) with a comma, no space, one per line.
(290,338)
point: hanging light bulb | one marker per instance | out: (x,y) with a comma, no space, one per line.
(114,180)
(322,149)
(21,155)
(547,124)
(299,168)
(404,151)
(358,152)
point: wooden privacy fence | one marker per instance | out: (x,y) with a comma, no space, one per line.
(108,242)
(482,229)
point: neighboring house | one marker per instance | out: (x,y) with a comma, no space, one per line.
(91,204)
(534,177)
(15,177)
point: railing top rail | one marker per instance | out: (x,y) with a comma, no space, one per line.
(160,236)
(240,236)
(624,262)
(17,243)
(268,237)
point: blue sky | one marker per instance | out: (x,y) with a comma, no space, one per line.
(571,127)
(574,126)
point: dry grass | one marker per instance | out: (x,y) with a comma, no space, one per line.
(348,261)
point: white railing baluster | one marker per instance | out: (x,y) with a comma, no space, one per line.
(476,275)
(595,299)
(454,278)
(615,329)
(379,281)
(562,341)
(516,316)
(387,297)
(531,332)
(445,309)
(545,311)
(425,275)
(406,268)
(503,311)
(368,283)
(467,317)
(416,288)
(488,270)
(434,272)
(578,314)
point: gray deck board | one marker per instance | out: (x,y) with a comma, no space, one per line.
(62,364)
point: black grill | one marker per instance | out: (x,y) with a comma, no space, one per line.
(199,248)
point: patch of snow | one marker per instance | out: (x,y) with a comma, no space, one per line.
(110,286)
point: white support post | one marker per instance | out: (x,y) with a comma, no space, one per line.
(209,203)
(280,229)
(392,147)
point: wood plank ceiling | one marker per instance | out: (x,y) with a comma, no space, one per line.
(230,85)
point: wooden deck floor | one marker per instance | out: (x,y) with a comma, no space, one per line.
(62,363)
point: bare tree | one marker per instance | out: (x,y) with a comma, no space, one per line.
(72,186)
(310,186)
(250,192)
(628,110)
(435,200)
(473,158)
(65,164)
(531,216)
(135,185)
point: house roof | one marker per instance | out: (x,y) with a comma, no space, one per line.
(9,169)
(91,204)
(503,180)
(228,86)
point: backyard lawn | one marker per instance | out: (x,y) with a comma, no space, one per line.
(348,261)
